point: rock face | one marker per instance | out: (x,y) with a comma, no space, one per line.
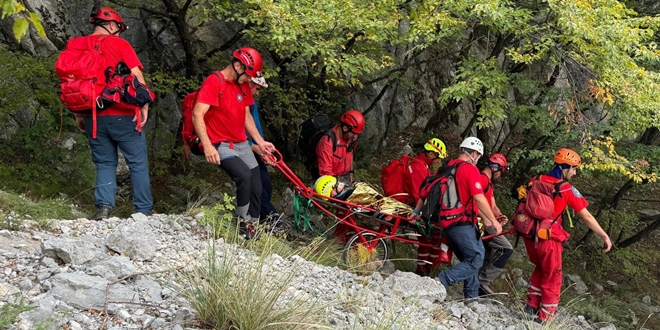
(67,286)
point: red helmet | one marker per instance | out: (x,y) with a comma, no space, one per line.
(354,120)
(251,58)
(108,14)
(500,160)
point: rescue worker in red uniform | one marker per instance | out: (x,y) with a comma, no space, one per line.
(222,117)
(462,232)
(339,163)
(546,254)
(498,249)
(418,169)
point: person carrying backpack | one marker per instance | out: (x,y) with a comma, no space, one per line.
(334,151)
(268,211)
(415,173)
(545,251)
(498,249)
(334,156)
(466,193)
(120,124)
(221,117)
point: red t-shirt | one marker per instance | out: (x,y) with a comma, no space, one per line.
(337,163)
(487,186)
(569,196)
(468,180)
(114,50)
(417,171)
(225,120)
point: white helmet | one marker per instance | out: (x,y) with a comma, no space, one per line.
(260,81)
(473,143)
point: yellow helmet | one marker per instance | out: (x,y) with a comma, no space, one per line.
(437,146)
(324,185)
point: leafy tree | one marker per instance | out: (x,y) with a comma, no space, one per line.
(25,18)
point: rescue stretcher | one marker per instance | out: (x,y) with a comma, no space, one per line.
(373,228)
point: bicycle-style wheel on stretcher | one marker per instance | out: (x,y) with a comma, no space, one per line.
(365,252)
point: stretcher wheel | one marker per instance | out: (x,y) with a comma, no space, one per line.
(365,257)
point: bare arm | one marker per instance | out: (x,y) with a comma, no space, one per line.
(210,152)
(592,224)
(144,111)
(486,213)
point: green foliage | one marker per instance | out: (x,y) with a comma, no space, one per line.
(228,290)
(320,38)
(220,217)
(40,210)
(22,23)
(9,313)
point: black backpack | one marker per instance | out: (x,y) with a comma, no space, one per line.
(311,132)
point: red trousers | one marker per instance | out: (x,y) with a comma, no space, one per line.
(427,257)
(545,284)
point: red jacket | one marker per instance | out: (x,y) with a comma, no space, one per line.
(417,171)
(337,163)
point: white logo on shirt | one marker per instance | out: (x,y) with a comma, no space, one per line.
(239,97)
(477,185)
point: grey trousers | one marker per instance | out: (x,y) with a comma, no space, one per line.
(498,252)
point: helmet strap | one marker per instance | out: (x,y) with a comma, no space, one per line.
(473,160)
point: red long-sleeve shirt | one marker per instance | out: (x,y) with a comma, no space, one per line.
(337,163)
(417,171)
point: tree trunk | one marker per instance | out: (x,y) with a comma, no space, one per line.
(641,234)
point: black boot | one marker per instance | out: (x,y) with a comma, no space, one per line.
(531,310)
(101,213)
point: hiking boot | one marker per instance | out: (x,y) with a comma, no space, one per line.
(247,230)
(101,213)
(531,310)
(539,321)
(485,290)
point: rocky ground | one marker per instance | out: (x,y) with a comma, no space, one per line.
(65,275)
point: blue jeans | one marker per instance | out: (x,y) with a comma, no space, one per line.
(266,190)
(466,243)
(119,132)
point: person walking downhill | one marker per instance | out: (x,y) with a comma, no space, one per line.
(461,230)
(268,212)
(546,254)
(221,117)
(418,169)
(120,124)
(498,249)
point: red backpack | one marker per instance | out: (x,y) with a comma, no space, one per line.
(190,139)
(78,67)
(534,212)
(393,179)
(442,202)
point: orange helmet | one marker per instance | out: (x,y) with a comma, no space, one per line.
(568,157)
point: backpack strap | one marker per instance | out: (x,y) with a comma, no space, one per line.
(489,185)
(333,137)
(217,74)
